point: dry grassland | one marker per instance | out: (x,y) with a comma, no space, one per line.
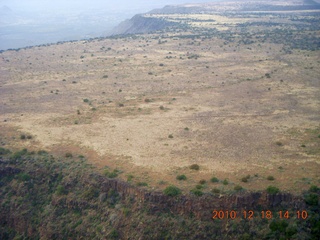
(151,110)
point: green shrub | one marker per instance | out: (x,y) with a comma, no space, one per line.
(114,234)
(314,188)
(197,192)
(181,177)
(202,181)
(42,152)
(246,178)
(215,190)
(270,178)
(142,184)
(172,191)
(86,100)
(195,167)
(4,151)
(130,177)
(19,154)
(238,188)
(170,136)
(278,225)
(225,182)
(199,186)
(60,190)
(312,199)
(272,190)
(23,137)
(109,174)
(23,177)
(68,155)
(91,193)
(214,180)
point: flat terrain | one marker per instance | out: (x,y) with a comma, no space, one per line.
(224,92)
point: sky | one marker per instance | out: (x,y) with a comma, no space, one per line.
(71,5)
(34,22)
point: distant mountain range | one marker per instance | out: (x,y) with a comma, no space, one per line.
(142,24)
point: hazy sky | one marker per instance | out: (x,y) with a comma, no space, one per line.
(47,5)
(33,22)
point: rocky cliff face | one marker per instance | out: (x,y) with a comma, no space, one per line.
(202,207)
(141,24)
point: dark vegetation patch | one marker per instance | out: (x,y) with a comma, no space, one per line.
(43,197)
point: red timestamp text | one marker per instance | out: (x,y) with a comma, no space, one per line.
(265,214)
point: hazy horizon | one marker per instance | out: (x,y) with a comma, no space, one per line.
(34,22)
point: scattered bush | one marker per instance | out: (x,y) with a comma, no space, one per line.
(272,190)
(91,193)
(60,190)
(172,191)
(202,181)
(214,180)
(182,177)
(270,178)
(161,107)
(23,177)
(225,182)
(278,225)
(23,136)
(19,154)
(314,188)
(42,152)
(109,174)
(186,128)
(170,136)
(130,177)
(4,151)
(238,188)
(197,192)
(312,199)
(246,178)
(86,100)
(68,155)
(114,234)
(279,143)
(215,190)
(105,76)
(121,105)
(195,167)
(142,184)
(147,100)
